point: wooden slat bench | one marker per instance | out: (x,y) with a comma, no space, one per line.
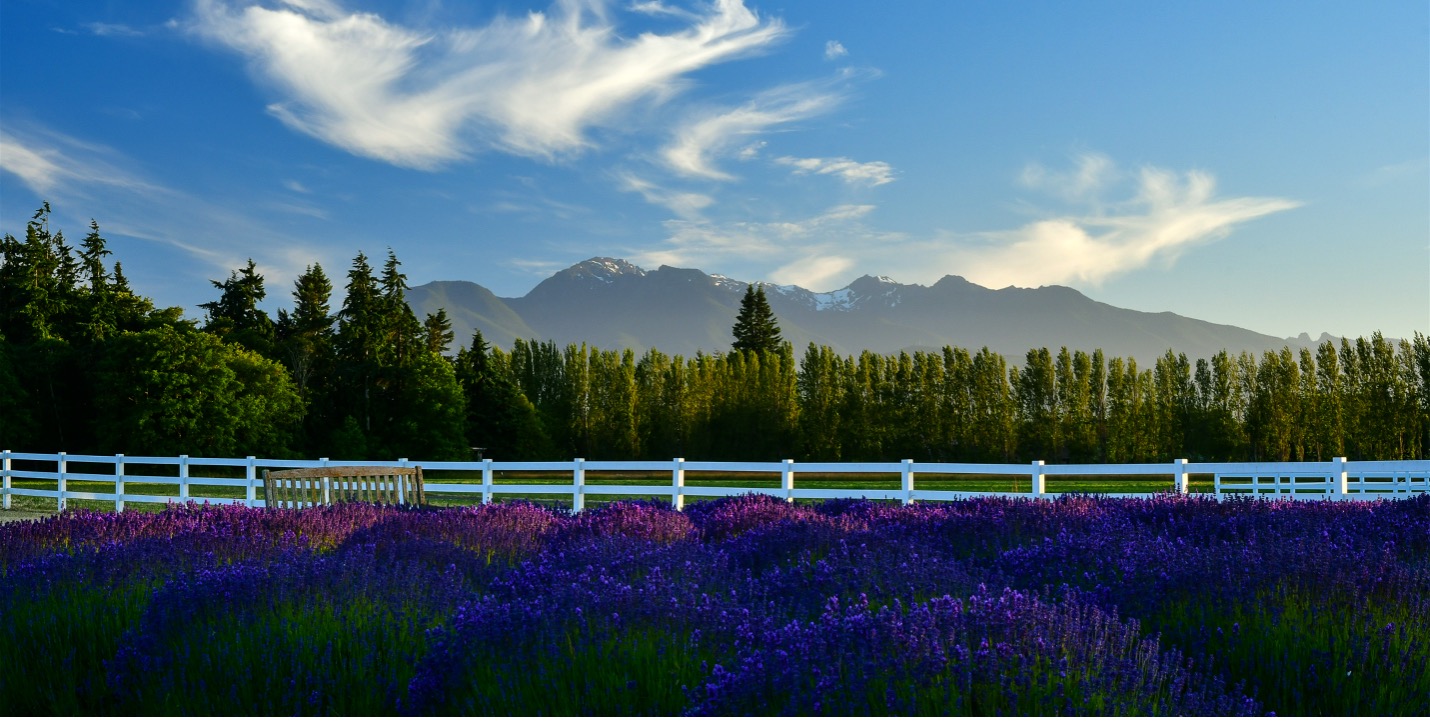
(302,487)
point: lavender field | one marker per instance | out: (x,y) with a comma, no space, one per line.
(747,605)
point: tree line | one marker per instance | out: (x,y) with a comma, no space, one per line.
(89,366)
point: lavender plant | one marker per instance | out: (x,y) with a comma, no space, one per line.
(746,605)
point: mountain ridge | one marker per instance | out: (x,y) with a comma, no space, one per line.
(611,303)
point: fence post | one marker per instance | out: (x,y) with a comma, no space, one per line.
(119,482)
(1216,486)
(907,481)
(1040,485)
(61,468)
(486,481)
(1339,480)
(5,480)
(787,480)
(677,482)
(403,463)
(578,483)
(250,474)
(1181,480)
(183,478)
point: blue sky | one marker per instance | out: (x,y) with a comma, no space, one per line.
(1263,164)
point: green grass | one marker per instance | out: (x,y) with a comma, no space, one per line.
(436,497)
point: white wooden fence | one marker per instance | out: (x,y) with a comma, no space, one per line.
(1338,479)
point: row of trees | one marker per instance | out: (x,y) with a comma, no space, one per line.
(1365,398)
(87,365)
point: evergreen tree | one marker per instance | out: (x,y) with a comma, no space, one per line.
(406,401)
(439,332)
(755,327)
(499,418)
(404,334)
(235,317)
(305,345)
(101,321)
(356,343)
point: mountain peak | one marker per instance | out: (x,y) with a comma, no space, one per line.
(607,269)
(612,303)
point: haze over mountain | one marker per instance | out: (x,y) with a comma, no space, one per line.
(613,304)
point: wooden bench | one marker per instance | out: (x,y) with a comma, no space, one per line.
(303,487)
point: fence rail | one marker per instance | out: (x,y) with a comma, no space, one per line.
(1338,479)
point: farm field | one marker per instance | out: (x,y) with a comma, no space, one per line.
(745,605)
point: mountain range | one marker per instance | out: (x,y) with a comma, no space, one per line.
(612,304)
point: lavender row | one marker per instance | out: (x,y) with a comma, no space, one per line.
(745,605)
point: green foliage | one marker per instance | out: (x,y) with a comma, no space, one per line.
(755,326)
(370,381)
(499,418)
(305,346)
(174,392)
(438,328)
(235,317)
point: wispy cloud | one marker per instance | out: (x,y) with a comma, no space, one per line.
(813,271)
(1165,215)
(113,30)
(71,173)
(1085,182)
(51,163)
(850,171)
(833,50)
(1169,214)
(531,86)
(686,205)
(708,134)
(701,242)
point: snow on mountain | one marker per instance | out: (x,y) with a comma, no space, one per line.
(606,269)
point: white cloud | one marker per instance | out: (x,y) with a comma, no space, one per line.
(833,50)
(852,172)
(813,271)
(71,173)
(751,151)
(113,30)
(711,133)
(52,163)
(1163,216)
(703,243)
(654,7)
(684,205)
(531,86)
(1094,172)
(1168,215)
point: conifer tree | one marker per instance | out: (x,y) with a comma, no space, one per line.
(439,331)
(505,421)
(755,327)
(357,342)
(235,316)
(305,341)
(101,322)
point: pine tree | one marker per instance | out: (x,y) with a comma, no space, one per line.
(499,418)
(357,343)
(755,327)
(439,331)
(305,339)
(101,322)
(235,316)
